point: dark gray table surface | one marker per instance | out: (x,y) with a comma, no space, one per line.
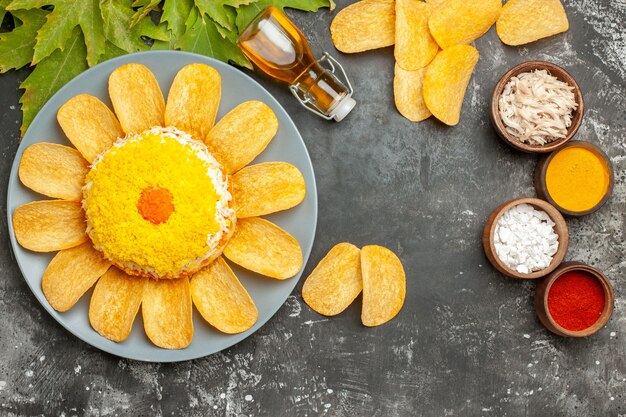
(466,343)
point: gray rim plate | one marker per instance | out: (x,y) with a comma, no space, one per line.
(268,294)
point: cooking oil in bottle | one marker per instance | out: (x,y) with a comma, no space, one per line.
(280,50)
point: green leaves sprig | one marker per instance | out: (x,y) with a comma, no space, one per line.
(62,38)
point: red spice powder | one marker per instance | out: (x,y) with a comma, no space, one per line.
(576,300)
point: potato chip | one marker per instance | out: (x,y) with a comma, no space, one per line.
(336,280)
(193,100)
(384,285)
(524,21)
(167,313)
(267,188)
(136,98)
(242,134)
(446,80)
(114,304)
(457,22)
(54,170)
(364,25)
(222,300)
(435,3)
(89,124)
(263,247)
(407,92)
(47,226)
(71,273)
(415,48)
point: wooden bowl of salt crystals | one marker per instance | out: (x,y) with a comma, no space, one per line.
(537,107)
(525,238)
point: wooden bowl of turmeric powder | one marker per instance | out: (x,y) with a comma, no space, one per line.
(537,107)
(576,179)
(576,300)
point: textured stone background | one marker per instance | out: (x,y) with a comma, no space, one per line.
(466,343)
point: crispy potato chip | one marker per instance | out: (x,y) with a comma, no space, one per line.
(89,124)
(435,2)
(263,247)
(71,273)
(524,21)
(114,304)
(446,80)
(167,312)
(336,280)
(457,22)
(407,92)
(384,285)
(136,98)
(47,226)
(193,100)
(267,188)
(415,48)
(54,170)
(242,134)
(364,25)
(222,300)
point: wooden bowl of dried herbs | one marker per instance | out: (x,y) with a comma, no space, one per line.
(537,107)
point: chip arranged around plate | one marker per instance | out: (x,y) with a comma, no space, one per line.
(150,199)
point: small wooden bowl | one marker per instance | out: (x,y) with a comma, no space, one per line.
(560,229)
(559,73)
(542,167)
(541,300)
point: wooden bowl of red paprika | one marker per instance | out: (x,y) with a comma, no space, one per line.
(576,300)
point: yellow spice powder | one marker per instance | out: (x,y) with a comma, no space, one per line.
(577,178)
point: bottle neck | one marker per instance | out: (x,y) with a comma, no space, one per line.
(321,87)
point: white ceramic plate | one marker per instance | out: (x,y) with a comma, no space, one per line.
(268,294)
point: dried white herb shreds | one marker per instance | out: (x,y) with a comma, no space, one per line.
(536,107)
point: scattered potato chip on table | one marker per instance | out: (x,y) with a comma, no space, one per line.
(263,247)
(136,98)
(524,21)
(267,188)
(384,285)
(222,300)
(457,22)
(114,304)
(193,100)
(446,81)
(54,170)
(408,93)
(335,282)
(364,25)
(415,47)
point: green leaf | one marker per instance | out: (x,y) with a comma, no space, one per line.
(116,15)
(246,13)
(3,9)
(67,14)
(202,37)
(216,11)
(16,47)
(175,13)
(111,51)
(51,74)
(144,7)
